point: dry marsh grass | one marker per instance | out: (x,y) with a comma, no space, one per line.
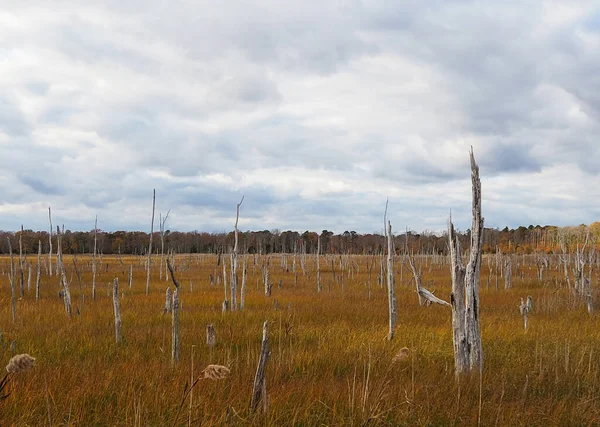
(330,363)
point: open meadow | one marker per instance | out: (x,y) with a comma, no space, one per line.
(330,362)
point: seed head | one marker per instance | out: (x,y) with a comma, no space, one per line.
(216,372)
(401,355)
(20,363)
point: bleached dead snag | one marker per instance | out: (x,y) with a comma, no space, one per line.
(162,221)
(50,241)
(66,289)
(267,282)
(39,271)
(525,308)
(150,244)
(211,337)
(11,278)
(28,277)
(130,275)
(21,269)
(319,286)
(243,289)
(225,301)
(508,273)
(94,259)
(234,258)
(259,391)
(423,293)
(175,323)
(468,353)
(118,335)
(393,314)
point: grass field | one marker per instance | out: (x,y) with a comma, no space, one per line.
(330,362)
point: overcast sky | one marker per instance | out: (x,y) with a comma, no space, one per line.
(316,111)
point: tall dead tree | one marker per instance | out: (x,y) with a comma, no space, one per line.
(21,268)
(94,259)
(150,244)
(234,259)
(468,354)
(393,313)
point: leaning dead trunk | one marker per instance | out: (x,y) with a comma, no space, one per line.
(259,391)
(118,335)
(468,353)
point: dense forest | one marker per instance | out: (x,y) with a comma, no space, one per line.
(531,239)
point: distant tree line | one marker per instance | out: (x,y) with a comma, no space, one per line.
(530,239)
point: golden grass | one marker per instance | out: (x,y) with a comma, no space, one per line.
(330,363)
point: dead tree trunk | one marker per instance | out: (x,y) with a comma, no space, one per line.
(50,241)
(150,245)
(168,301)
(225,301)
(39,271)
(234,259)
(63,276)
(468,353)
(175,319)
(243,290)
(118,335)
(21,269)
(319,286)
(393,313)
(13,292)
(508,273)
(259,391)
(130,276)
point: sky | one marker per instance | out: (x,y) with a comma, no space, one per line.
(315,111)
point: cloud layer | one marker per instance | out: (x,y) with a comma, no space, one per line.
(315,111)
